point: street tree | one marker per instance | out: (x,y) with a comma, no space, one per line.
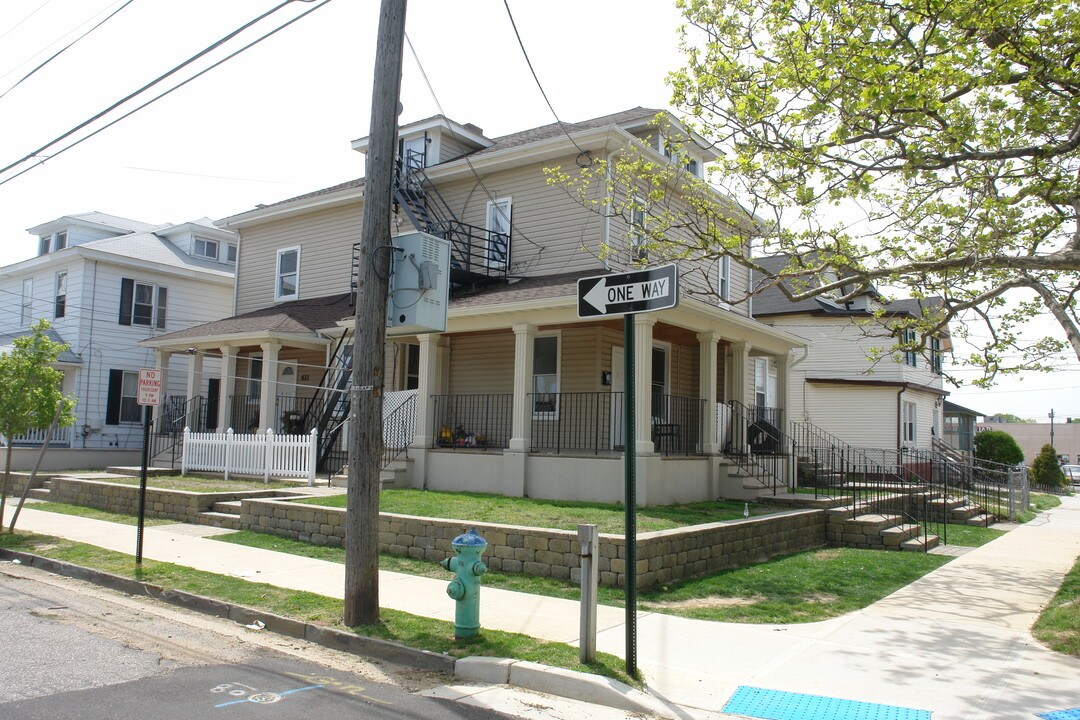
(998,446)
(1046,470)
(926,146)
(30,394)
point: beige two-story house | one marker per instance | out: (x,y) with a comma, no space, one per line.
(519,395)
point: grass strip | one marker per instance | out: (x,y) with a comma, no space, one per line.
(96,514)
(556,514)
(193,483)
(1058,627)
(971,535)
(803,587)
(411,630)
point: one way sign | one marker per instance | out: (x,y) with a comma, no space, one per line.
(633,292)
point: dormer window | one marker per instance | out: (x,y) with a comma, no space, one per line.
(413,152)
(230,253)
(44,242)
(206,249)
(52,243)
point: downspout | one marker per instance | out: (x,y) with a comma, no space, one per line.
(900,417)
(90,352)
(236,271)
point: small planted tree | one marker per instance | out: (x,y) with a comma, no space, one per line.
(1045,470)
(30,395)
(998,446)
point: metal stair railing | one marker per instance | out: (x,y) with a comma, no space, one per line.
(167,429)
(760,447)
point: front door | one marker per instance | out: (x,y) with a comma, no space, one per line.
(289,415)
(213,397)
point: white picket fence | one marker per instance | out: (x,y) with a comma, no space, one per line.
(263,454)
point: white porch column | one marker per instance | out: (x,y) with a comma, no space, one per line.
(643,341)
(783,389)
(429,385)
(521,418)
(740,362)
(707,389)
(161,362)
(227,387)
(194,378)
(268,396)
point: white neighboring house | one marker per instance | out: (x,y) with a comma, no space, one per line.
(105,283)
(892,403)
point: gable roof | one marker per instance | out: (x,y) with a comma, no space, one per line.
(67,357)
(293,317)
(98,219)
(148,247)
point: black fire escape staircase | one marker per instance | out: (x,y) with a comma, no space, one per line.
(329,408)
(478,256)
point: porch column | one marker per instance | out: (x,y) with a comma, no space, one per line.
(521,417)
(268,396)
(740,361)
(782,388)
(194,378)
(161,362)
(707,389)
(428,386)
(227,387)
(643,341)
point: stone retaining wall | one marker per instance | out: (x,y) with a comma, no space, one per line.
(663,556)
(180,505)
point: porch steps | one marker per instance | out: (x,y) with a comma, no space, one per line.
(921,544)
(133,471)
(803,500)
(394,475)
(895,537)
(218,519)
(983,520)
(229,507)
(40,493)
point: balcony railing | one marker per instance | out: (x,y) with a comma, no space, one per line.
(472,421)
(577,422)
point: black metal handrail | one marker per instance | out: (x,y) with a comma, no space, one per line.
(677,424)
(167,430)
(759,446)
(576,422)
(472,421)
(399,427)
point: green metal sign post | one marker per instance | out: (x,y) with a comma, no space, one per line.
(630,472)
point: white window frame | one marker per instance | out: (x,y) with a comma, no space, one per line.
(59,241)
(60,296)
(254,379)
(547,414)
(723,278)
(133,398)
(26,312)
(204,251)
(279,296)
(499,222)
(44,244)
(761,382)
(231,252)
(665,348)
(909,423)
(907,335)
(636,232)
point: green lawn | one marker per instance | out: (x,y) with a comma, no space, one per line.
(1058,627)
(1039,502)
(411,630)
(95,514)
(556,514)
(971,535)
(195,483)
(804,587)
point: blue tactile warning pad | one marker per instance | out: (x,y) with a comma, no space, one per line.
(778,705)
(1073,714)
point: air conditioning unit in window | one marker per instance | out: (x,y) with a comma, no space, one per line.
(419,287)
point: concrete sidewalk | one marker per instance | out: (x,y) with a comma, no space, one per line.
(956,642)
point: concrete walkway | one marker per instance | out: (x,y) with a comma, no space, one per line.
(955,642)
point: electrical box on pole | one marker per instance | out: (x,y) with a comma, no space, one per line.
(419,287)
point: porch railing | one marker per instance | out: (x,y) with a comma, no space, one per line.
(757,444)
(399,424)
(61,437)
(677,424)
(260,454)
(472,421)
(577,422)
(167,432)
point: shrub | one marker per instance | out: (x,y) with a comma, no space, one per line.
(998,446)
(1045,470)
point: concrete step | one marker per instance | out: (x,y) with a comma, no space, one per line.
(218,519)
(982,520)
(920,544)
(40,493)
(895,536)
(869,524)
(965,513)
(228,507)
(948,503)
(137,471)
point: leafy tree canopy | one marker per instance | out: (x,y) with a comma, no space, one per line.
(1010,418)
(998,446)
(925,145)
(1046,470)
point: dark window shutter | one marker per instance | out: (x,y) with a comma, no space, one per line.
(162,304)
(112,408)
(127,295)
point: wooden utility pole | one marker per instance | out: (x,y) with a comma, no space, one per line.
(369,338)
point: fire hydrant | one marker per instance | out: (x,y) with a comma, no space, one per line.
(465,587)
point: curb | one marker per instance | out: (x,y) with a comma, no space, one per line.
(497,671)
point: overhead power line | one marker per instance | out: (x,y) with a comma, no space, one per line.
(176,87)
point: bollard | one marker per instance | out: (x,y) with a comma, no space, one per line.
(465,587)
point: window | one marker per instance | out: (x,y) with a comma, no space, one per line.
(143,304)
(724,278)
(230,253)
(43,244)
(546,376)
(288,274)
(935,355)
(59,241)
(53,242)
(909,418)
(659,383)
(27,312)
(412,367)
(206,248)
(761,383)
(60,304)
(413,152)
(498,236)
(122,405)
(255,367)
(908,337)
(639,253)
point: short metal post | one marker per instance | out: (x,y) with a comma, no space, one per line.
(589,537)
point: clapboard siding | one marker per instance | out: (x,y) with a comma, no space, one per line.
(482,364)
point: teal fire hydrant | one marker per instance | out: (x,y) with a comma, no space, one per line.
(465,588)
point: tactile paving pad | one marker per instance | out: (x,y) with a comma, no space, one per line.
(779,705)
(1073,714)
